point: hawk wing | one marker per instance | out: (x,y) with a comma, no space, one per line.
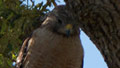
(22,53)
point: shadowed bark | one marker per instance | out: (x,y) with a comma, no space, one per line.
(100,20)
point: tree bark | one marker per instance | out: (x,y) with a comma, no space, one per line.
(100,20)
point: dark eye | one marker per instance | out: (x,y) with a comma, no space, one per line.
(59,21)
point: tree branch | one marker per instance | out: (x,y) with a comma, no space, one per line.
(100,20)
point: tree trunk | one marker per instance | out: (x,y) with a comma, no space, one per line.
(100,20)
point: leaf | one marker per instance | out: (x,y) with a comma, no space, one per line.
(10,47)
(3,28)
(9,62)
(1,59)
(13,56)
(17,22)
(0,2)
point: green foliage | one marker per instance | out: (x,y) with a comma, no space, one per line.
(17,21)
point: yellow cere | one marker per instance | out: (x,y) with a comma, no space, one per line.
(69,26)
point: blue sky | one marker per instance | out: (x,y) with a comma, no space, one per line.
(92,57)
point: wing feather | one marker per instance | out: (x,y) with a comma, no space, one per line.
(22,53)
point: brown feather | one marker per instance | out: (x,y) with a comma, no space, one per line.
(53,51)
(21,53)
(49,45)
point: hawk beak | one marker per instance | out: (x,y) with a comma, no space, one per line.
(68,29)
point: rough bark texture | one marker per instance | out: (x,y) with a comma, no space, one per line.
(100,20)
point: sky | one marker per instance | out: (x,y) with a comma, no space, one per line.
(92,56)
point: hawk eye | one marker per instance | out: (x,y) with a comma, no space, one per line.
(59,21)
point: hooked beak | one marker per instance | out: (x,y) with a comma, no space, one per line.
(68,29)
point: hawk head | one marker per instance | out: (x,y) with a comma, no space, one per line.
(60,21)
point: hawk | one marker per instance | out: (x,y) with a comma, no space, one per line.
(55,44)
